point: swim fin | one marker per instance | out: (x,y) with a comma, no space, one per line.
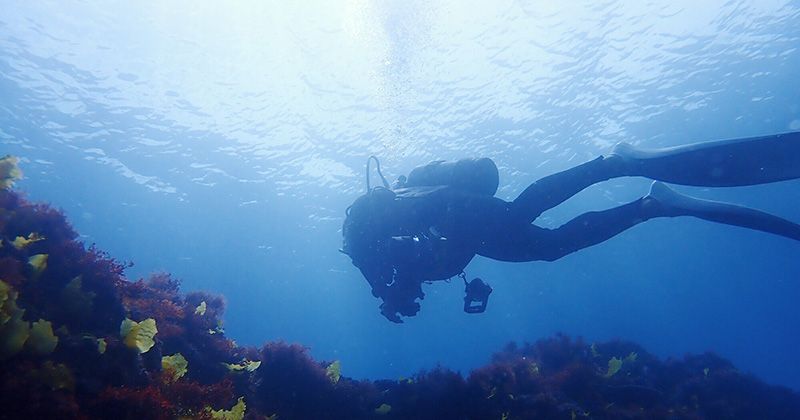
(671,203)
(724,163)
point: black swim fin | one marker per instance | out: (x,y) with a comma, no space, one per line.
(724,163)
(671,203)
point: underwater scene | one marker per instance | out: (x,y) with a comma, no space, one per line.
(382,209)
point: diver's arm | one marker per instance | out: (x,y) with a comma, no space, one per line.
(417,258)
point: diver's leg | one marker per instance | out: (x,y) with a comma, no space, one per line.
(534,243)
(725,163)
(553,190)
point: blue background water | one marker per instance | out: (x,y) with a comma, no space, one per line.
(223,142)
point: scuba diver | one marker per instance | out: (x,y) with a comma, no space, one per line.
(429,225)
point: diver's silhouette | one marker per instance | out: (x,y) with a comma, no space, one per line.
(430,225)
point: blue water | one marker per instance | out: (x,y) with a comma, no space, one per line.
(222,142)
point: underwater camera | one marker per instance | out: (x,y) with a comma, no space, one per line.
(477,295)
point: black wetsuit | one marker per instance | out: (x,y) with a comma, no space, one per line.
(402,238)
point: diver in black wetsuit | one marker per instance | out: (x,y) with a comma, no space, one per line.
(433,223)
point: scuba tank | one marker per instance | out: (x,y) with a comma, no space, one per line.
(478,176)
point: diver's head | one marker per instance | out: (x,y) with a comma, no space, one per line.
(367,223)
(365,234)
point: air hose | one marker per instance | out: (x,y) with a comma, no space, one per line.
(378,167)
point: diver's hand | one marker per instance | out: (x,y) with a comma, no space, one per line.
(390,313)
(392,310)
(400,298)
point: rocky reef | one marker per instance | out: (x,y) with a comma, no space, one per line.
(79,340)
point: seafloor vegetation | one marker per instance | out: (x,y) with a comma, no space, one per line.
(79,340)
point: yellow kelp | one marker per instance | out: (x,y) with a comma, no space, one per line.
(235,413)
(246,365)
(14,332)
(9,171)
(7,295)
(384,409)
(138,335)
(614,365)
(176,365)
(218,329)
(200,309)
(41,339)
(533,368)
(22,242)
(334,371)
(38,262)
(13,335)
